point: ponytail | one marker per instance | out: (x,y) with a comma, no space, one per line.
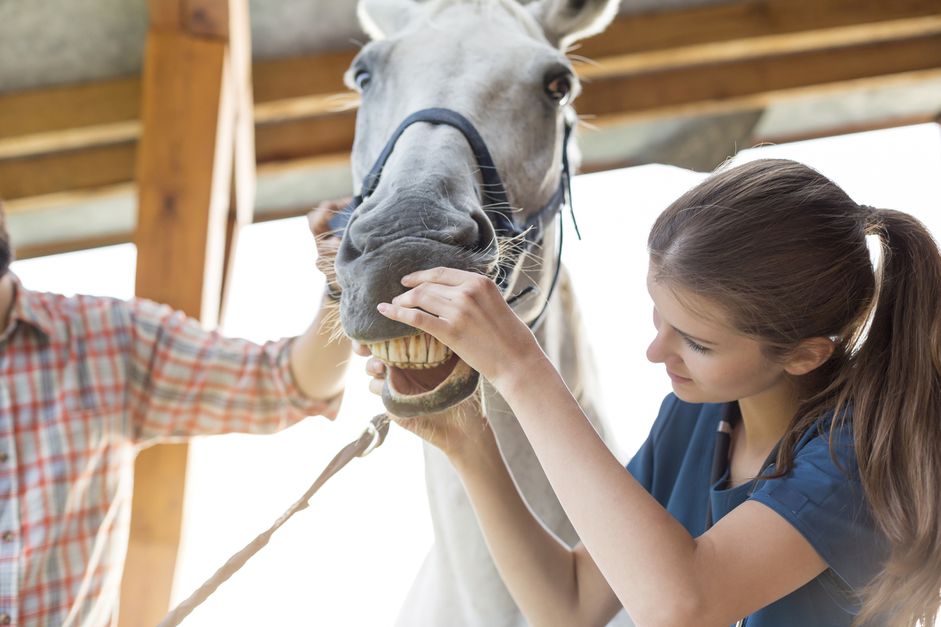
(893,387)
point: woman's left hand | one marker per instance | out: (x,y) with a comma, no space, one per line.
(466,312)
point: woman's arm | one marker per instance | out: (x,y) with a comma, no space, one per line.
(661,574)
(551,583)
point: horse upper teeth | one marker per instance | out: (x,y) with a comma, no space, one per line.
(416,351)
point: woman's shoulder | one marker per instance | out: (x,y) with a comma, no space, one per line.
(828,446)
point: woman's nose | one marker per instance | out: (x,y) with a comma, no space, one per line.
(657,351)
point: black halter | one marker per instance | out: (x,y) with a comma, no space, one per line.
(493,193)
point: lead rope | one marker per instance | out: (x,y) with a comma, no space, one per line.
(371,439)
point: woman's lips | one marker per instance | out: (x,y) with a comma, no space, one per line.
(677,378)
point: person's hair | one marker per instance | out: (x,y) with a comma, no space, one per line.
(784,251)
(6,248)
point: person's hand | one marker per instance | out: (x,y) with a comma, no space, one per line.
(454,431)
(327,240)
(466,312)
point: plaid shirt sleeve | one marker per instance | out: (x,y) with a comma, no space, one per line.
(186,381)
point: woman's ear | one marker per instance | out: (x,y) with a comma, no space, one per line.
(809,355)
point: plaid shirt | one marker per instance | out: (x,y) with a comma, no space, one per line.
(84,383)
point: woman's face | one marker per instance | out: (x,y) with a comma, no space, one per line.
(706,359)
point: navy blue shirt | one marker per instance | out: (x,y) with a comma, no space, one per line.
(821,498)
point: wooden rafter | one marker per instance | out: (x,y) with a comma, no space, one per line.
(195,91)
(646,66)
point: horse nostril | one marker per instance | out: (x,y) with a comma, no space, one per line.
(486,236)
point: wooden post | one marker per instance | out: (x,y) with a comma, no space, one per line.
(195,90)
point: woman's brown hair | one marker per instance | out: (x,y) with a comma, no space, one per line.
(784,250)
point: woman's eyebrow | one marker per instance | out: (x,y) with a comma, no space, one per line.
(692,337)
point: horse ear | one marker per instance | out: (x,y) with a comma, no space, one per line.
(567,21)
(382,18)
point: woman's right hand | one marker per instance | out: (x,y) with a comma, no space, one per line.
(455,431)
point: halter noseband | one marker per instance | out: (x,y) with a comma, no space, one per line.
(493,193)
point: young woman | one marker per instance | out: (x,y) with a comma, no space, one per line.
(793,478)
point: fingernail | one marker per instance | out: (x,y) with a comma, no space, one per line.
(383,308)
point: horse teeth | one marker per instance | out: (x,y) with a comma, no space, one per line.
(417,351)
(395,352)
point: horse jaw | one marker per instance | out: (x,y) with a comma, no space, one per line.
(423,376)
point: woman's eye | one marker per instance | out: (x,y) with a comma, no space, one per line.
(559,89)
(361,79)
(699,348)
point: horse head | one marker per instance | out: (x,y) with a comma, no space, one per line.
(427,197)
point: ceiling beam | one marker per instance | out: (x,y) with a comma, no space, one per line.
(686,62)
(748,83)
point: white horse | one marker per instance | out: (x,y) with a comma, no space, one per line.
(502,66)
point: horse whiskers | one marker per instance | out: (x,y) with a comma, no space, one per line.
(331,321)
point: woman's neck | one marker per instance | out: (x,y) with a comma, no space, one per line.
(766,416)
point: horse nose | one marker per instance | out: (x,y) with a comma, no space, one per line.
(416,216)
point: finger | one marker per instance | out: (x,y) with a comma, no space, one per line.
(318,220)
(376,385)
(360,349)
(435,299)
(441,274)
(416,318)
(375,367)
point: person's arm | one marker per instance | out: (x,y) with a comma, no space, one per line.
(319,356)
(552,584)
(661,574)
(186,381)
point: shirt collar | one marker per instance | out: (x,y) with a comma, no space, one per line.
(28,307)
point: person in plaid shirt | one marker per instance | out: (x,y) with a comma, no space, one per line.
(85,382)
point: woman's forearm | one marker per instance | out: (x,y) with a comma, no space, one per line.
(540,571)
(647,557)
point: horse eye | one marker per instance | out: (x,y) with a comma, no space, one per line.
(559,89)
(361,79)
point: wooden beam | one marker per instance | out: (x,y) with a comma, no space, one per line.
(736,21)
(194,87)
(750,48)
(63,118)
(76,170)
(651,65)
(736,85)
(312,85)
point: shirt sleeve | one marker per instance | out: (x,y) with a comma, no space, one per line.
(824,500)
(642,465)
(186,381)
